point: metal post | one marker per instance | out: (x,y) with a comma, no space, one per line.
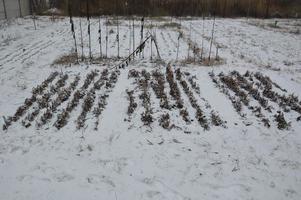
(4,7)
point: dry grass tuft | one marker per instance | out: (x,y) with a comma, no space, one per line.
(66,59)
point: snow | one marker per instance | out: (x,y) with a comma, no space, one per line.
(127,160)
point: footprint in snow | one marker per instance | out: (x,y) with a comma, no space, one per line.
(96,179)
(62,177)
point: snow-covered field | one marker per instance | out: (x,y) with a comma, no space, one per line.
(153,130)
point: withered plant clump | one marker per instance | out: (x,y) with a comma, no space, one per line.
(22,109)
(29,101)
(185,115)
(40,88)
(102,102)
(158,87)
(249,86)
(132,104)
(286,102)
(291,101)
(59,84)
(174,89)
(281,122)
(30,117)
(45,117)
(113,79)
(257,111)
(164,121)
(7,122)
(233,85)
(44,101)
(216,119)
(133,74)
(267,82)
(63,117)
(86,107)
(193,101)
(264,80)
(63,95)
(236,103)
(90,77)
(101,81)
(146,116)
(194,85)
(175,93)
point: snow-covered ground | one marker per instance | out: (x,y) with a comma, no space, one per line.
(130,157)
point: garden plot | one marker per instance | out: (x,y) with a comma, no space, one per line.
(48,100)
(150,129)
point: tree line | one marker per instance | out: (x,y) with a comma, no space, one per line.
(221,8)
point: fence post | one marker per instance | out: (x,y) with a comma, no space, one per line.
(4,7)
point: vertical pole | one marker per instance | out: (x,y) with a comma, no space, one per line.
(118,55)
(117,36)
(189,42)
(107,36)
(89,30)
(130,27)
(178,45)
(20,9)
(81,31)
(268,3)
(72,28)
(130,37)
(134,36)
(141,34)
(248,12)
(212,35)
(151,39)
(81,37)
(99,31)
(4,7)
(32,13)
(202,51)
